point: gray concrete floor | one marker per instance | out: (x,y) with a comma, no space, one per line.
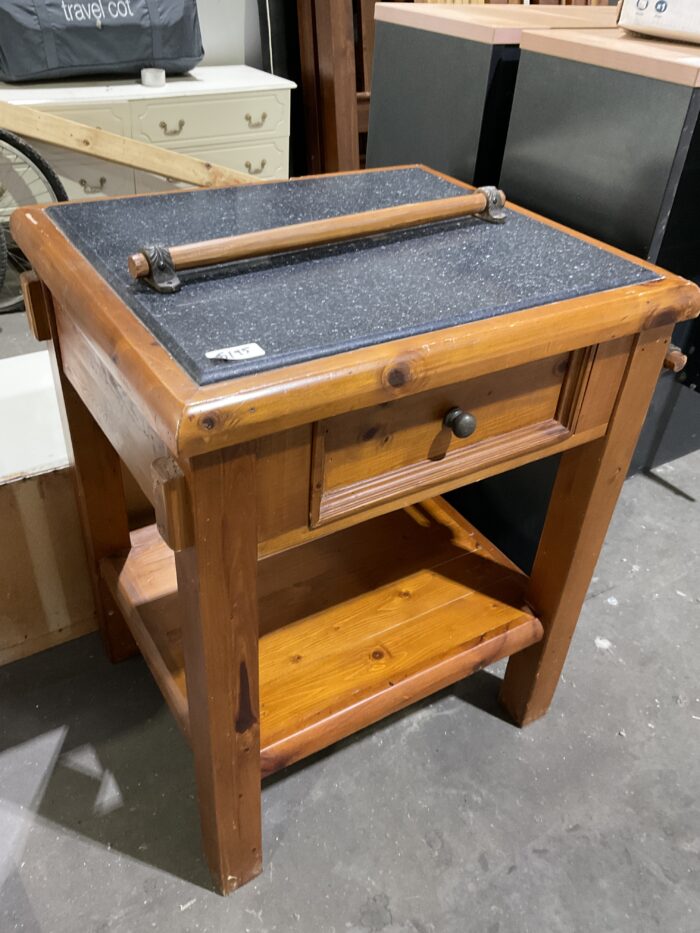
(15,336)
(444,819)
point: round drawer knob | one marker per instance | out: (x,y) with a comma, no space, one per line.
(461,423)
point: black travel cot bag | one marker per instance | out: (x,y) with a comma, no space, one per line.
(42,39)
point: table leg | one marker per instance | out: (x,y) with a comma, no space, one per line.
(101,500)
(217,578)
(588,483)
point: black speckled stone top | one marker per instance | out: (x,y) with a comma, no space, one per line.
(322,301)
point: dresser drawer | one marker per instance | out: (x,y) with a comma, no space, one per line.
(267,159)
(114,118)
(93,178)
(211,119)
(400,448)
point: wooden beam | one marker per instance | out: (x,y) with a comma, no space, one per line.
(335,50)
(48,128)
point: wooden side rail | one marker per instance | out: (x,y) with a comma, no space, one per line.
(487,202)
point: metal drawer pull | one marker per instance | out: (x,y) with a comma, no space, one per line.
(93,189)
(461,423)
(255,171)
(255,126)
(166,132)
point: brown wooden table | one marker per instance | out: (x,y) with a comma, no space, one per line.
(304,577)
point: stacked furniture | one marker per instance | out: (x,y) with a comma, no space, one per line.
(234,115)
(444,78)
(604,137)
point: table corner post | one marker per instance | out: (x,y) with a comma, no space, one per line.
(588,482)
(217,579)
(100,492)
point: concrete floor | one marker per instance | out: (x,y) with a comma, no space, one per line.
(444,819)
(15,336)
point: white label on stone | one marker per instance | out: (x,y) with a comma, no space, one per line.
(245,351)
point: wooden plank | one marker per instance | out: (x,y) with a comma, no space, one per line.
(335,52)
(47,598)
(366,16)
(306,19)
(388,635)
(217,585)
(49,128)
(586,489)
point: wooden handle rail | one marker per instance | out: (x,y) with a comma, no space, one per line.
(319,232)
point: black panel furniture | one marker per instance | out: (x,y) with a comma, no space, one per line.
(444,78)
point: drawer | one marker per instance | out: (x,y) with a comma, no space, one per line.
(93,178)
(268,159)
(400,448)
(211,119)
(114,118)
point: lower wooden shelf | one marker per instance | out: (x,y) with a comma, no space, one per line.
(353,626)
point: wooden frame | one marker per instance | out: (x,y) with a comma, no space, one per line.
(336,48)
(300,631)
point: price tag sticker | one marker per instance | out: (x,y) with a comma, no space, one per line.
(244,351)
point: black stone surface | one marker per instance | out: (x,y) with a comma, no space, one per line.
(319,302)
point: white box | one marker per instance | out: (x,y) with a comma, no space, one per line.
(665,19)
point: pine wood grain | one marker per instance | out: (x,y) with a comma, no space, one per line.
(216,581)
(351,628)
(101,498)
(373,452)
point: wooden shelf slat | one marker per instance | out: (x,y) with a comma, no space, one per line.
(352,627)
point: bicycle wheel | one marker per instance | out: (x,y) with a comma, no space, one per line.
(3,260)
(25,178)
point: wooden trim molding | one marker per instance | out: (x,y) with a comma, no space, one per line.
(191,420)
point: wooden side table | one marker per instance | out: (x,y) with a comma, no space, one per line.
(304,577)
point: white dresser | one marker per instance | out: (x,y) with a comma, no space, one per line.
(230,114)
